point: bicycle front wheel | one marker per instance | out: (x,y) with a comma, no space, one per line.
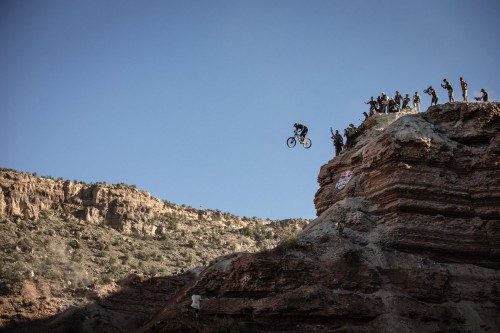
(307,143)
(291,142)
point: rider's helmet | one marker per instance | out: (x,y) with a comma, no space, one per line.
(295,125)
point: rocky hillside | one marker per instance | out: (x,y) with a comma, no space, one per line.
(62,241)
(418,194)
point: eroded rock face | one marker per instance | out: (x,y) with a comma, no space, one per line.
(123,207)
(419,253)
(431,181)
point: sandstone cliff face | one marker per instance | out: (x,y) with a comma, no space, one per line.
(419,253)
(431,181)
(123,207)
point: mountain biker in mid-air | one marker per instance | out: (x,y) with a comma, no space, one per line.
(303,130)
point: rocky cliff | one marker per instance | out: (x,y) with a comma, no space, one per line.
(122,207)
(418,194)
(64,243)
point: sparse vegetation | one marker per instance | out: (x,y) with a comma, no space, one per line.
(352,256)
(226,325)
(61,247)
(324,238)
(287,244)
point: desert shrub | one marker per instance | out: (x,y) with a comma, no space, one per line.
(191,243)
(286,244)
(25,245)
(76,256)
(352,256)
(142,255)
(226,325)
(124,258)
(286,232)
(161,237)
(324,238)
(172,222)
(257,233)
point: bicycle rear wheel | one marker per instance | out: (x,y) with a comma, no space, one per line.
(291,142)
(307,143)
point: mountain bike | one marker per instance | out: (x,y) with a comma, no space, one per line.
(292,141)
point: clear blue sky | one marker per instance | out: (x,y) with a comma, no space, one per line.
(193,100)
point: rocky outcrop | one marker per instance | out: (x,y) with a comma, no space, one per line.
(430,181)
(125,208)
(418,195)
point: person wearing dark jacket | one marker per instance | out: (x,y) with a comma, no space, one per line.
(338,142)
(398,98)
(373,105)
(432,92)
(406,100)
(303,131)
(483,98)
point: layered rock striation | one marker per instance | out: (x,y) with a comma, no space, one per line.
(431,181)
(124,208)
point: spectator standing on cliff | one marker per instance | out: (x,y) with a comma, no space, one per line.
(463,85)
(432,92)
(384,102)
(351,135)
(347,139)
(406,100)
(448,87)
(373,105)
(416,101)
(338,142)
(393,107)
(398,98)
(195,304)
(483,98)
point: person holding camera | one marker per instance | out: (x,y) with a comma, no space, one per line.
(483,98)
(448,87)
(432,92)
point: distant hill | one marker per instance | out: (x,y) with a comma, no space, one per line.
(62,237)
